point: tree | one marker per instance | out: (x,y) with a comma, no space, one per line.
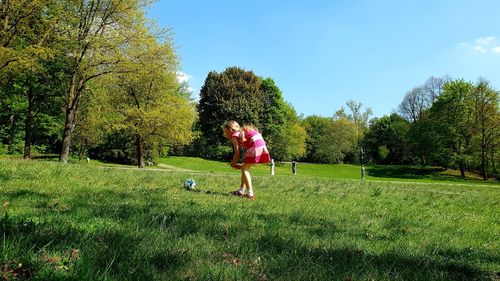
(25,26)
(390,133)
(26,50)
(93,32)
(360,121)
(328,139)
(453,118)
(414,103)
(420,98)
(92,124)
(13,106)
(144,94)
(486,119)
(282,130)
(433,87)
(234,94)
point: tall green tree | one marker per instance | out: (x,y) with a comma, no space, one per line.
(486,119)
(93,32)
(284,135)
(144,94)
(234,94)
(27,32)
(453,117)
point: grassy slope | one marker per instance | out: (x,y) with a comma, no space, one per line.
(335,171)
(84,222)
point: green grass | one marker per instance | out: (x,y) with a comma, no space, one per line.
(87,222)
(334,171)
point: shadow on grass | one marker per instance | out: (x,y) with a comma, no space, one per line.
(12,195)
(410,172)
(104,254)
(116,253)
(50,157)
(293,261)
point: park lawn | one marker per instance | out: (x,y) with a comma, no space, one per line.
(333,171)
(86,222)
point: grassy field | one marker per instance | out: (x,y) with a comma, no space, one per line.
(335,171)
(91,222)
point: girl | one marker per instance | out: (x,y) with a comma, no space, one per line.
(256,152)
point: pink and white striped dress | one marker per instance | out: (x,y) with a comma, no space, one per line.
(256,150)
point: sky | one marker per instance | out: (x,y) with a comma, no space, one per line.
(323,53)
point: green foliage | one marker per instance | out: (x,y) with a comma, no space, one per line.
(116,146)
(96,35)
(234,94)
(388,134)
(284,135)
(26,30)
(240,95)
(359,119)
(487,126)
(12,115)
(328,139)
(452,115)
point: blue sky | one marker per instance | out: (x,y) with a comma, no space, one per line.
(324,53)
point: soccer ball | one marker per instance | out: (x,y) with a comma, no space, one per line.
(189,184)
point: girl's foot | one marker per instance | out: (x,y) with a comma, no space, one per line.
(237,193)
(250,197)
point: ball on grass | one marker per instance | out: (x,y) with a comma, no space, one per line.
(189,184)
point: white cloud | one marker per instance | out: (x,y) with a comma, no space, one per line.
(480,49)
(483,41)
(183,77)
(485,45)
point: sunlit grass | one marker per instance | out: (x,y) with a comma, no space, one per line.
(335,171)
(86,222)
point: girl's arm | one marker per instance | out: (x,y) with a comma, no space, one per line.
(236,155)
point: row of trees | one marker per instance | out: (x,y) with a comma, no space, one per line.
(97,66)
(95,77)
(451,123)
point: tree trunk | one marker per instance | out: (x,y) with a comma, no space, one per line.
(139,141)
(483,157)
(422,160)
(28,130)
(81,151)
(12,133)
(462,169)
(492,157)
(71,110)
(68,129)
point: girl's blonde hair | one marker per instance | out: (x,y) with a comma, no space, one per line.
(233,125)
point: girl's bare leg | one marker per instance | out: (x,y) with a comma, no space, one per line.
(243,185)
(246,180)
